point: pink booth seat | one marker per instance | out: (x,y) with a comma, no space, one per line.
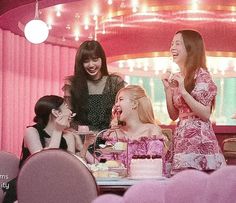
(109,198)
(9,167)
(185,187)
(55,176)
(147,192)
(221,186)
(189,186)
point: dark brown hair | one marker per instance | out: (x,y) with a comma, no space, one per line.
(44,106)
(196,57)
(79,89)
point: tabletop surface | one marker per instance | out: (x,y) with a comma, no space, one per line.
(123,181)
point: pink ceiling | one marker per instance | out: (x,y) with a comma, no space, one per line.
(127,32)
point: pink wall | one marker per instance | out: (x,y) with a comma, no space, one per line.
(27,72)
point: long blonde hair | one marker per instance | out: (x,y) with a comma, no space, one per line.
(144,107)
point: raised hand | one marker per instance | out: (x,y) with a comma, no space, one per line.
(89,139)
(115,116)
(63,121)
(180,80)
(165,79)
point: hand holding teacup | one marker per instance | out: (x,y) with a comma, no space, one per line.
(90,135)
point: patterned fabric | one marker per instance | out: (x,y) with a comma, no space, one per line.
(194,141)
(141,146)
(100,105)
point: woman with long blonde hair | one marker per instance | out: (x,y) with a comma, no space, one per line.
(139,130)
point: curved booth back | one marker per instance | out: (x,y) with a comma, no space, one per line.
(9,167)
(189,186)
(55,176)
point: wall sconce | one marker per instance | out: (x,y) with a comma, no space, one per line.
(36,31)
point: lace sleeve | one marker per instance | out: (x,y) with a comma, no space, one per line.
(117,82)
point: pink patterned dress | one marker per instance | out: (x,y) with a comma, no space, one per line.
(194,141)
(142,146)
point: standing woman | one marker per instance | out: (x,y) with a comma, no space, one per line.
(92,88)
(190,96)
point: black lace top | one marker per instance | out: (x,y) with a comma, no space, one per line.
(100,105)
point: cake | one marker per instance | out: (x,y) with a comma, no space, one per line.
(113,164)
(83,129)
(105,174)
(104,170)
(145,166)
(120,146)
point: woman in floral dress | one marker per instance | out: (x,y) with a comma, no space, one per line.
(190,96)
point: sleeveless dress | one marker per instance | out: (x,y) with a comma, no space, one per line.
(194,142)
(141,146)
(11,196)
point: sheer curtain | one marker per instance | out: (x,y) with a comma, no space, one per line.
(27,72)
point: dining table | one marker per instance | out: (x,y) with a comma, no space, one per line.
(121,184)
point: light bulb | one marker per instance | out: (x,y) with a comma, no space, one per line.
(36,31)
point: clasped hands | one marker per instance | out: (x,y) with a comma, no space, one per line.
(171,80)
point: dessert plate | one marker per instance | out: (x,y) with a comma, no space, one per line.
(117,169)
(87,133)
(147,178)
(108,178)
(121,171)
(109,150)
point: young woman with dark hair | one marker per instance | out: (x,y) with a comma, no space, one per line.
(52,118)
(92,89)
(190,96)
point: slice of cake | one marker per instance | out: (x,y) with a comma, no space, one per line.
(113,164)
(120,146)
(146,166)
(83,129)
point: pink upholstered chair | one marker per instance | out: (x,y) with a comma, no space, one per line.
(55,176)
(149,191)
(187,186)
(221,185)
(9,167)
(229,150)
(109,198)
